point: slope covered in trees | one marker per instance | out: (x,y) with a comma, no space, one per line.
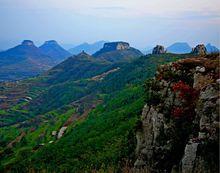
(97,116)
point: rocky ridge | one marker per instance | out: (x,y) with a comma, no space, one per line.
(179,127)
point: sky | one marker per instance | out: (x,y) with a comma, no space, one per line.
(142,23)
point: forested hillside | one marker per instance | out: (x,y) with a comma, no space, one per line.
(85,121)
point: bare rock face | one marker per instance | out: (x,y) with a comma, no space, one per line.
(158,50)
(179,130)
(189,158)
(28,43)
(199,50)
(51,42)
(116,46)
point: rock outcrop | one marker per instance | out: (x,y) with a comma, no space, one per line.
(117,51)
(27,43)
(158,50)
(199,50)
(116,46)
(179,131)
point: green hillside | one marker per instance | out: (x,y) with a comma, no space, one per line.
(99,105)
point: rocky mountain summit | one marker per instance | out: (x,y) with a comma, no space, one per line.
(22,61)
(54,50)
(113,46)
(116,46)
(27,43)
(117,51)
(179,127)
(199,50)
(158,50)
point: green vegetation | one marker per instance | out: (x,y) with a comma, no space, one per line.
(104,115)
(100,141)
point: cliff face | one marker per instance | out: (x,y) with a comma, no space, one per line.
(117,52)
(180,122)
(116,46)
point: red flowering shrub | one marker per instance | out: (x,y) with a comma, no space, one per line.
(188,95)
(185,91)
(177,112)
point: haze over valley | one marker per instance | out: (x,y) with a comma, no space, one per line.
(109,86)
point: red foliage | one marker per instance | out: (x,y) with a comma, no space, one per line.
(177,112)
(186,92)
(189,95)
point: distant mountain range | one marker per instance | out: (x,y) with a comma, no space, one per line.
(89,48)
(26,59)
(183,47)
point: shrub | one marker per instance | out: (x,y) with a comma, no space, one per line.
(177,112)
(186,92)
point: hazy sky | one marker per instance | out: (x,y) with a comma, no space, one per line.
(143,23)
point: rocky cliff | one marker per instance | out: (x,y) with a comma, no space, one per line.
(116,46)
(113,46)
(179,127)
(158,50)
(117,51)
(199,50)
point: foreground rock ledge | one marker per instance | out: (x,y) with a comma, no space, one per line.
(179,130)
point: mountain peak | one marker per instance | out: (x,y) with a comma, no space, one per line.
(179,48)
(51,42)
(158,49)
(200,49)
(83,53)
(27,43)
(120,45)
(117,51)
(211,48)
(54,50)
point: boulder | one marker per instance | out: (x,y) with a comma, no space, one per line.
(158,50)
(199,50)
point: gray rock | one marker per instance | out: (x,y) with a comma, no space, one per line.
(61,132)
(199,50)
(158,50)
(189,158)
(200,69)
(116,46)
